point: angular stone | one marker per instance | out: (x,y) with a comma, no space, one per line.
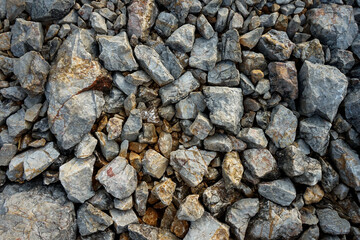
(76,178)
(239,214)
(334,25)
(204,27)
(322,89)
(190,164)
(98,23)
(204,53)
(347,162)
(274,222)
(146,232)
(218,142)
(132,126)
(114,127)
(7,108)
(201,127)
(26,205)
(91,220)
(191,209)
(7,152)
(211,8)
(331,223)
(259,162)
(29,164)
(252,60)
(226,107)
(32,70)
(254,137)
(281,191)
(179,89)
(46,10)
(311,51)
(164,191)
(154,163)
(141,17)
(313,194)
(315,132)
(102,200)
(118,178)
(276,45)
(312,173)
(171,62)
(33,112)
(342,59)
(124,204)
(232,169)
(104,235)
(283,79)
(182,39)
(26,36)
(352,106)
(141,197)
(282,127)
(122,219)
(16,123)
(165,24)
(151,62)
(123,85)
(116,53)
(251,38)
(109,148)
(189,107)
(231,49)
(207,228)
(224,73)
(86,146)
(75,101)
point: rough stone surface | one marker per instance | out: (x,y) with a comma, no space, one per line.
(259,162)
(86,146)
(283,79)
(254,137)
(331,223)
(232,169)
(231,49)
(154,163)
(352,106)
(191,209)
(122,219)
(146,232)
(27,204)
(182,39)
(204,53)
(91,220)
(322,89)
(224,73)
(45,10)
(281,191)
(311,51)
(276,45)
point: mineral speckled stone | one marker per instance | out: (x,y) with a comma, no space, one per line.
(204,53)
(276,45)
(224,74)
(283,79)
(182,39)
(260,162)
(191,209)
(280,191)
(232,169)
(154,163)
(330,222)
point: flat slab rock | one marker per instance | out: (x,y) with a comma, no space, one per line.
(36,211)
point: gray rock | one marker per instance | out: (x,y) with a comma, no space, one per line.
(132,126)
(76,178)
(146,232)
(274,222)
(165,24)
(252,60)
(105,235)
(231,49)
(352,104)
(334,25)
(33,112)
(237,21)
(204,27)
(254,137)
(86,146)
(26,36)
(171,62)
(259,162)
(201,127)
(268,20)
(218,142)
(182,39)
(141,197)
(141,17)
(91,220)
(124,204)
(331,223)
(114,127)
(329,86)
(311,51)
(123,85)
(281,191)
(138,78)
(85,11)
(26,205)
(276,45)
(15,93)
(189,107)
(109,148)
(283,79)
(330,178)
(206,228)
(122,219)
(7,152)
(347,162)
(355,47)
(204,53)
(292,161)
(46,10)
(315,132)
(102,200)
(16,123)
(151,62)
(52,31)
(226,107)
(221,19)
(98,23)
(154,163)
(29,164)
(190,164)
(179,89)
(239,214)
(7,64)
(118,178)
(342,59)
(251,38)
(116,53)
(73,104)
(312,232)
(3,9)
(191,209)
(282,127)
(32,70)
(6,109)
(224,73)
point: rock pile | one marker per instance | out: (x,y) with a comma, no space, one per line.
(179,119)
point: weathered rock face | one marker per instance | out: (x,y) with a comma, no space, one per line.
(45,10)
(23,211)
(352,107)
(283,79)
(322,89)
(334,25)
(75,101)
